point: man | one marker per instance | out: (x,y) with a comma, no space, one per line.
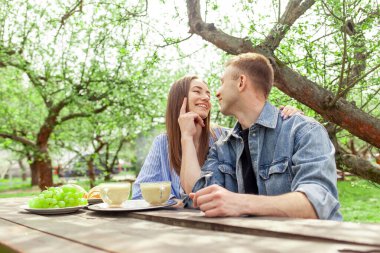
(265,165)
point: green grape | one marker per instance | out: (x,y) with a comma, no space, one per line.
(48,194)
(38,203)
(83,202)
(44,203)
(54,201)
(59,197)
(78,195)
(66,198)
(68,188)
(32,203)
(70,202)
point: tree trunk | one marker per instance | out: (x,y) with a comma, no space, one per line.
(34,174)
(23,169)
(42,164)
(91,172)
(107,177)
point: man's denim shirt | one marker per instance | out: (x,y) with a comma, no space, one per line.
(289,155)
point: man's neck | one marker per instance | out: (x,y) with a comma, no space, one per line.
(249,112)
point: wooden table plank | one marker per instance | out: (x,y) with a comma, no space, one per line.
(347,232)
(18,238)
(120,232)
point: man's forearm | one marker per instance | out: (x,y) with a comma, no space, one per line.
(294,204)
(190,168)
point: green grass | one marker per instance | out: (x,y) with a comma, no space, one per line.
(15,184)
(359,199)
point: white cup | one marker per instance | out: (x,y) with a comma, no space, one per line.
(115,194)
(156,193)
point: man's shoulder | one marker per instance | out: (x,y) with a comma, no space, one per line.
(299,119)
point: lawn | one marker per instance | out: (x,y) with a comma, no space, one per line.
(359,199)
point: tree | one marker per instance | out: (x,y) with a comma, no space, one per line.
(70,78)
(332,65)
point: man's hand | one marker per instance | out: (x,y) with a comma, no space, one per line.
(216,201)
(188,120)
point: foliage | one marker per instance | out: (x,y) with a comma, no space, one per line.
(92,61)
(110,65)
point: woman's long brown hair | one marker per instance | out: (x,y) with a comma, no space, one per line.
(180,90)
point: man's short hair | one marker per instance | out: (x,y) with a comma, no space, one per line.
(257,67)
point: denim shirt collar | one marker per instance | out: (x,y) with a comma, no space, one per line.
(267,118)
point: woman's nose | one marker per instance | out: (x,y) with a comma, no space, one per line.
(206,96)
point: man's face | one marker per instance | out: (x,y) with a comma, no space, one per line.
(228,92)
(199,98)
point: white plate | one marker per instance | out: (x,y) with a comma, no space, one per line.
(52,210)
(94,201)
(130,205)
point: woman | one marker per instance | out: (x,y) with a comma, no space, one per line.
(163,162)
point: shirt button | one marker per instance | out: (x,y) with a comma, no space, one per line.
(254,134)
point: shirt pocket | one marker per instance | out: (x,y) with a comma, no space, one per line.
(227,170)
(228,177)
(276,176)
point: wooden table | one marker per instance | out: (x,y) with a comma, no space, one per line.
(175,230)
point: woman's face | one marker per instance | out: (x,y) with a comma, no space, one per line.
(199,98)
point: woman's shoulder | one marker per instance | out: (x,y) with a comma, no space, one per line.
(160,140)
(217,131)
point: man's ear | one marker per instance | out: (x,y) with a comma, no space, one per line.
(242,82)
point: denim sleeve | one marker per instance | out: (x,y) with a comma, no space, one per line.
(215,171)
(315,171)
(152,167)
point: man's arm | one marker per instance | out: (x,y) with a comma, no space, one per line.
(215,201)
(314,168)
(314,193)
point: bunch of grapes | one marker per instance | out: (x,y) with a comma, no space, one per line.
(59,197)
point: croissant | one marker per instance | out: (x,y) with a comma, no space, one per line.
(94,193)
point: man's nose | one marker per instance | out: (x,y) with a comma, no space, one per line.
(218,93)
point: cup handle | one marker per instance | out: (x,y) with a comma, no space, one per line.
(105,195)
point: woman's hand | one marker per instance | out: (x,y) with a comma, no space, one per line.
(179,203)
(188,121)
(288,111)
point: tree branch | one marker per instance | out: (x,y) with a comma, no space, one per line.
(82,114)
(209,32)
(331,12)
(345,114)
(19,139)
(293,11)
(68,14)
(361,167)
